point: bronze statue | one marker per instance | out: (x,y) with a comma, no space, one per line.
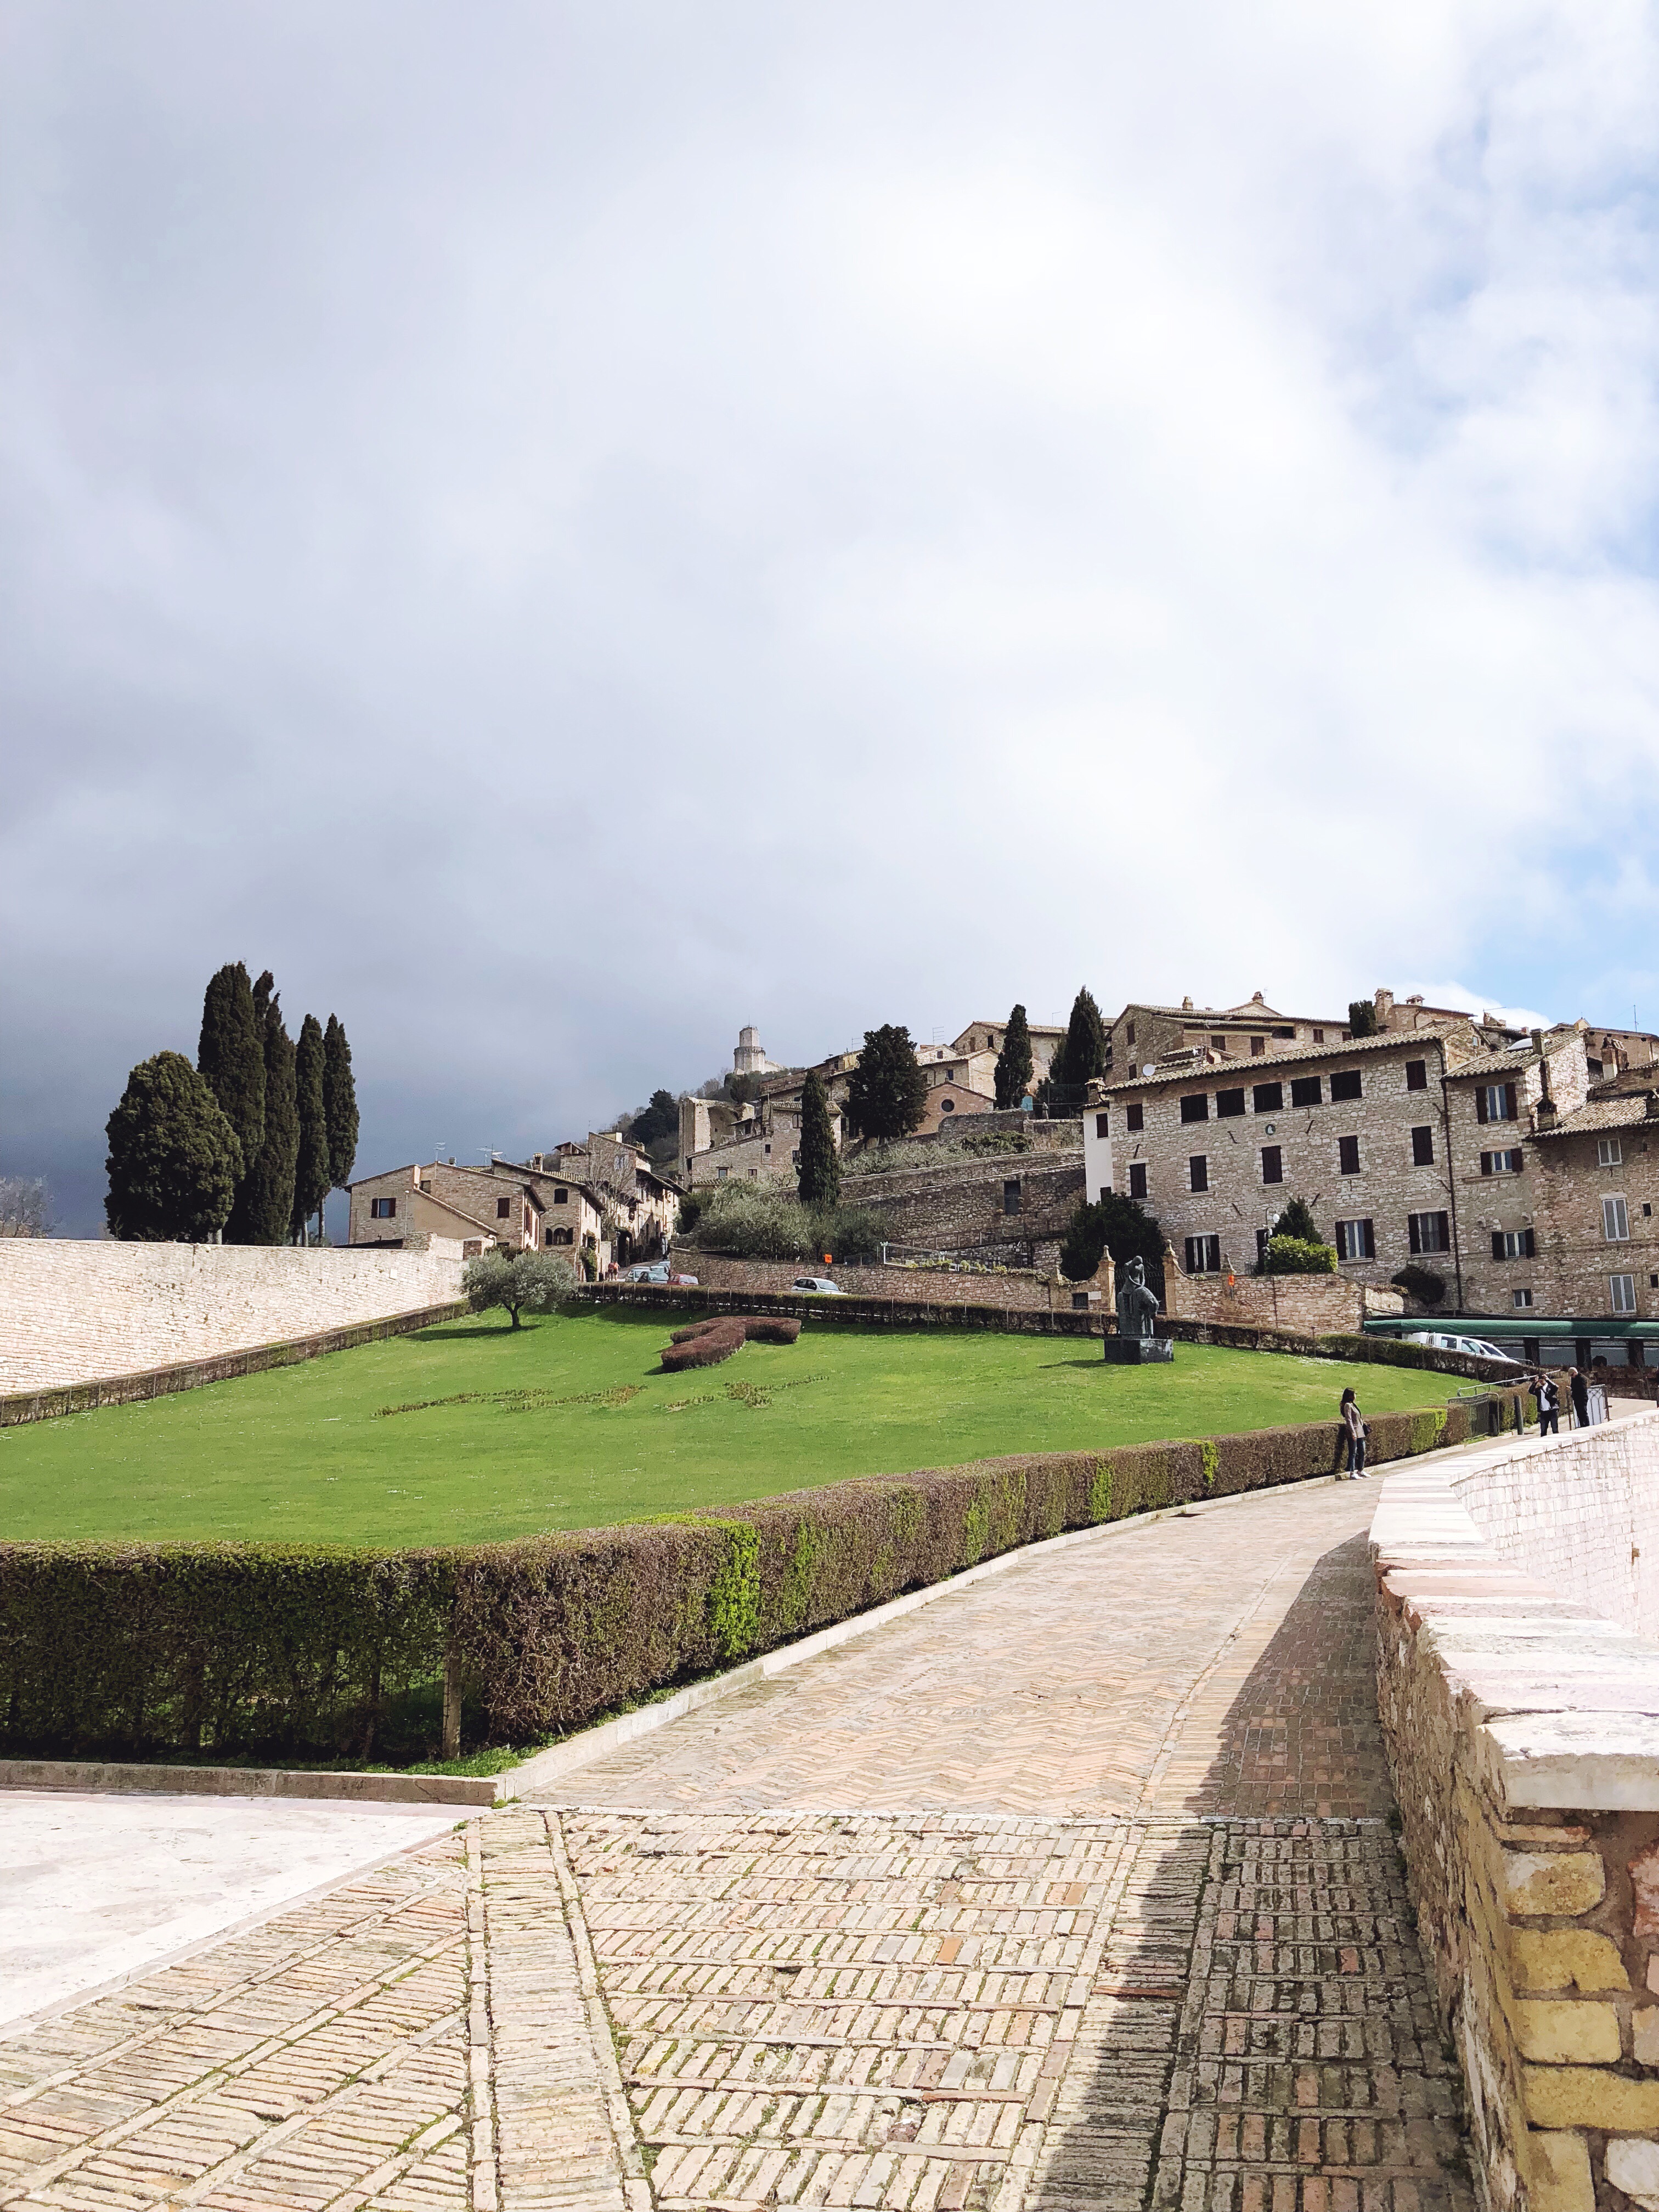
(1137,1306)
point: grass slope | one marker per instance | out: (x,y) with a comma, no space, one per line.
(304,1454)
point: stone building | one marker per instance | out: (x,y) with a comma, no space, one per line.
(530,1207)
(1146,1036)
(1356,1128)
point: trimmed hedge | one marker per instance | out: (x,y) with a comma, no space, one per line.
(706,1343)
(158,1650)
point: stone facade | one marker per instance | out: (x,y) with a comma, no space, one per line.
(1145,1035)
(1012,1206)
(1518,1688)
(74,1312)
(948,1102)
(530,1208)
(1357,1130)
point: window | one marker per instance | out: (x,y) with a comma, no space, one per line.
(1273,1164)
(721,1174)
(1513,1244)
(1623,1288)
(1134,1117)
(1229,1104)
(1608,1152)
(1305,1090)
(1429,1232)
(1203,1256)
(1520,1300)
(1103,1122)
(1258,1045)
(1347,1156)
(382,1209)
(1268,1097)
(1495,1102)
(1198,1171)
(1416,1075)
(1319,1037)
(1137,1179)
(1219,1043)
(1493,1164)
(503,1207)
(1616,1221)
(946,1106)
(1105,1192)
(1355,1240)
(1130,1033)
(1011,1195)
(1195,1106)
(562,1236)
(1423,1146)
(1346,1083)
(766,1150)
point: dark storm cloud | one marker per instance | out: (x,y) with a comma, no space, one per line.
(561,533)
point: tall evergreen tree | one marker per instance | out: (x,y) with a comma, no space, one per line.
(174,1156)
(1014,1063)
(231,1055)
(264,1205)
(887,1092)
(818,1178)
(339,1105)
(1082,1055)
(1362,1017)
(1297,1220)
(311,1177)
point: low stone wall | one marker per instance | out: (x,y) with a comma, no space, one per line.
(1021,1289)
(1522,1721)
(1313,1305)
(79,1311)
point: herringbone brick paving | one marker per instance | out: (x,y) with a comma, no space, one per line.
(1073,1888)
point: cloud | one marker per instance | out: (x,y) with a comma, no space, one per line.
(561,534)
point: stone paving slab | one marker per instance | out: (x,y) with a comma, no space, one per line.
(1074,1889)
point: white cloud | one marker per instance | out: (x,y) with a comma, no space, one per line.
(565,533)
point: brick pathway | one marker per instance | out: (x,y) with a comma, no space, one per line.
(1071,1888)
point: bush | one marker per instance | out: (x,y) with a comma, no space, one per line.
(154,1651)
(1116,1224)
(763,1221)
(1420,1283)
(706,1343)
(1292,1256)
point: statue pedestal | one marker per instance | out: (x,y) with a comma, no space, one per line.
(1136,1351)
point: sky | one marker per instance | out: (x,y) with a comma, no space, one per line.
(562,532)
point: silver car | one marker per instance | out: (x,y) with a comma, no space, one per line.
(820,1286)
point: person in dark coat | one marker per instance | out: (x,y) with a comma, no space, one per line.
(1579,1385)
(1547,1391)
(1354,1422)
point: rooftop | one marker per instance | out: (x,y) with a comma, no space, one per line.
(1342,1048)
(1604,1114)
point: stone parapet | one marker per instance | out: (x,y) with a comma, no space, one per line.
(1520,1708)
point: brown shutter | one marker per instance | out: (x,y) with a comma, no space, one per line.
(1509,1113)
(1481,1103)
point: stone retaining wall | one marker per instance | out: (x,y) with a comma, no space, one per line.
(1021,1288)
(1522,1721)
(76,1311)
(1314,1305)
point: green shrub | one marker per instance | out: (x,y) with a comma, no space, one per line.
(159,1650)
(1291,1256)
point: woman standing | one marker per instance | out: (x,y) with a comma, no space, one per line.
(1354,1422)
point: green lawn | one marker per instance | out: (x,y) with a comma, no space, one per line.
(600,1435)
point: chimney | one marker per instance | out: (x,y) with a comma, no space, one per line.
(1384,1003)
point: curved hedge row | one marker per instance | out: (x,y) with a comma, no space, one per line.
(234,1650)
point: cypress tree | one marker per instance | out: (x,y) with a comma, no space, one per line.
(1297,1220)
(231,1055)
(174,1156)
(887,1092)
(339,1105)
(310,1179)
(1082,1055)
(264,1205)
(1014,1064)
(818,1178)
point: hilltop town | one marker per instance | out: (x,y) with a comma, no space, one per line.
(1450,1165)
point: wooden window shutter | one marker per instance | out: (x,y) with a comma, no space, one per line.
(1497,1243)
(1509,1113)
(1481,1103)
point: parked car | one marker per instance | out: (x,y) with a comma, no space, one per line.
(653,1271)
(820,1284)
(1475,1347)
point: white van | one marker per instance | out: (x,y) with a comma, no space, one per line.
(1474,1347)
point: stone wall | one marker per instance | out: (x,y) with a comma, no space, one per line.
(1522,1733)
(1018,1288)
(76,1311)
(966,1205)
(1310,1305)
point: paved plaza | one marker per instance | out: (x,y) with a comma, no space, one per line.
(1074,1887)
